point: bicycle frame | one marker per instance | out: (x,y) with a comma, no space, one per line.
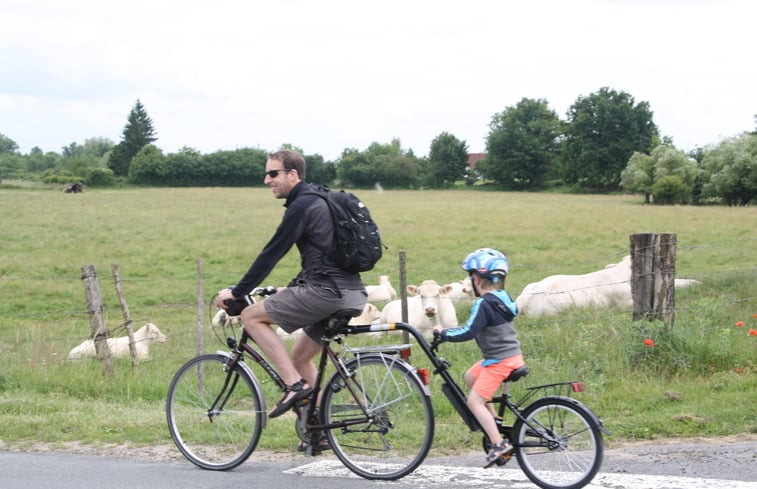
(328,354)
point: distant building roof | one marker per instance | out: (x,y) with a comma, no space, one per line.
(474,158)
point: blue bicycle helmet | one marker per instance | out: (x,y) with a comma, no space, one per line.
(488,263)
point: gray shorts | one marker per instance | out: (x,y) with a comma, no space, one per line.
(302,305)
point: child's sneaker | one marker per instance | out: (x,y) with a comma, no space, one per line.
(503,449)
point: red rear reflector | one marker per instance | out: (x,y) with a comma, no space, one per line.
(423,374)
(405,353)
(577,386)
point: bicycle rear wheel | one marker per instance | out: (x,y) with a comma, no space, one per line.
(391,419)
(214,418)
(561,445)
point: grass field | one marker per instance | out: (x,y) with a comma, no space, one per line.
(699,378)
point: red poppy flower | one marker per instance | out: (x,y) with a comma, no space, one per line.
(739,324)
(649,342)
(753,332)
(754,315)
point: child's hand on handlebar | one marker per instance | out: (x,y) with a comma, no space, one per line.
(438,337)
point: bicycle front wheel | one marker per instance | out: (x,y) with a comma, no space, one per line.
(386,415)
(214,415)
(560,445)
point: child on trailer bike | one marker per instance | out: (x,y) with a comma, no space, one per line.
(491,325)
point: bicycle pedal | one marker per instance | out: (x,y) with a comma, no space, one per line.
(501,461)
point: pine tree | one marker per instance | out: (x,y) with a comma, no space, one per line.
(137,134)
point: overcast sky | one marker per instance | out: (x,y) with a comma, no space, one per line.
(329,74)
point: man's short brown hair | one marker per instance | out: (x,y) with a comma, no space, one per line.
(291,160)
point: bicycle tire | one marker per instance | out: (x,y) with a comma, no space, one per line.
(398,436)
(562,448)
(227,436)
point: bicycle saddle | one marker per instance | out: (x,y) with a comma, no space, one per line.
(517,374)
(333,324)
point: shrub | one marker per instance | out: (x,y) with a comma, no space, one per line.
(100,177)
(669,190)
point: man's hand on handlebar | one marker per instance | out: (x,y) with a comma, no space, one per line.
(234,306)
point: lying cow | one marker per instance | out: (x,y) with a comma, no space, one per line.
(119,347)
(383,292)
(430,305)
(610,287)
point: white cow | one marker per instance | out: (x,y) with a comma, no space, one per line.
(462,289)
(119,347)
(430,305)
(610,287)
(381,293)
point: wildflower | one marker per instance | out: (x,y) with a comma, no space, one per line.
(754,315)
(739,324)
(739,370)
(753,332)
(649,342)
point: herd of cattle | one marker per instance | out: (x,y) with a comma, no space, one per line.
(429,303)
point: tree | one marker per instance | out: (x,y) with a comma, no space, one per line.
(638,176)
(380,163)
(37,161)
(149,166)
(447,161)
(137,134)
(602,132)
(522,145)
(667,173)
(7,145)
(731,170)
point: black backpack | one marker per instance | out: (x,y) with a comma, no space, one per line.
(357,243)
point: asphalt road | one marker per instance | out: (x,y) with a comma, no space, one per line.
(724,464)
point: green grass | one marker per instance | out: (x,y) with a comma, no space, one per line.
(698,379)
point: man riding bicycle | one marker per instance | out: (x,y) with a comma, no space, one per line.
(315,293)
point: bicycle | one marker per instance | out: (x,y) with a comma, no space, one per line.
(375,410)
(369,406)
(556,439)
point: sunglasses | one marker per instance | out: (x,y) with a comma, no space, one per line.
(275,173)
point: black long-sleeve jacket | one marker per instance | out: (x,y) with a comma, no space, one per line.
(307,223)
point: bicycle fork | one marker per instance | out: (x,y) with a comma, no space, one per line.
(216,408)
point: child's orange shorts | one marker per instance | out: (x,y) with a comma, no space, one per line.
(489,378)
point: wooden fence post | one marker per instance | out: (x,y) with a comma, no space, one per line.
(403,292)
(127,316)
(653,270)
(96,322)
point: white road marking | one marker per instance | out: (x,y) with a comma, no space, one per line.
(434,475)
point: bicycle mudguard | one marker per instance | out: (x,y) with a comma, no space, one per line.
(255,382)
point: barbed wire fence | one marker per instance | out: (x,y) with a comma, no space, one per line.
(191,309)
